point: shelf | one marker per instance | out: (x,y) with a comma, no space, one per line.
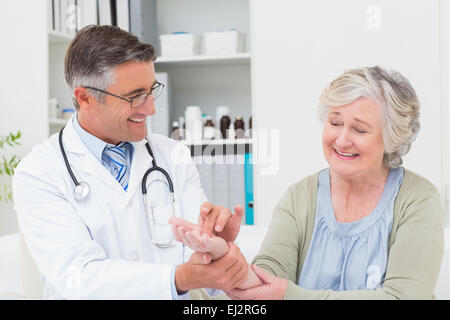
(57,122)
(205,60)
(219,142)
(55,37)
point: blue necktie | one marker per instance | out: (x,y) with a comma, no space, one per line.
(116,159)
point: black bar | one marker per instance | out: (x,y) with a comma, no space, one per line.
(113,12)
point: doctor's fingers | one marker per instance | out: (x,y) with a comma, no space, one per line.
(232,257)
(216,220)
(234,276)
(239,274)
(205,209)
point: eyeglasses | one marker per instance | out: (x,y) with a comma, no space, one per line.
(139,100)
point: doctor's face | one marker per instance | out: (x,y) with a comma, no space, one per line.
(352,139)
(115,119)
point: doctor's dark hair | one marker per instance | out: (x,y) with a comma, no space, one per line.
(95,52)
(392,92)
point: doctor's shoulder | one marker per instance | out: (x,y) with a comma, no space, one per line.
(43,161)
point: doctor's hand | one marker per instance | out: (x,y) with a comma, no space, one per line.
(220,221)
(273,288)
(226,273)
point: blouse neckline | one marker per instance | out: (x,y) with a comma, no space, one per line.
(355,227)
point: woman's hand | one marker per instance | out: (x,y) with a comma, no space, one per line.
(273,288)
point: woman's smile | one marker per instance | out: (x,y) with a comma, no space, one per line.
(346,155)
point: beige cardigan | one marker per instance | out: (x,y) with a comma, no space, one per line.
(416,242)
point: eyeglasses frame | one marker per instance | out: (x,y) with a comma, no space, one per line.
(130,101)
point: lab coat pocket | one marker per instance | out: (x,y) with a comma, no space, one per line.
(100,223)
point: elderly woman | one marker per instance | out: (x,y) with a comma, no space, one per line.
(364,228)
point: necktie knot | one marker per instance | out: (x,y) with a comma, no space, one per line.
(118,161)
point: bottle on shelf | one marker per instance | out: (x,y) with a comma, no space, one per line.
(67,113)
(175,131)
(231,132)
(194,123)
(225,122)
(209,131)
(239,127)
(53,108)
(182,128)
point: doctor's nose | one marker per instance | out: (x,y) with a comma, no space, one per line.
(149,106)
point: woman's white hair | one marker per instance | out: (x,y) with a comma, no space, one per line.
(389,89)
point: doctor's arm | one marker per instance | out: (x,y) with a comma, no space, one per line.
(70,261)
(196,272)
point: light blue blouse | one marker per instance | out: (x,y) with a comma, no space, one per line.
(349,256)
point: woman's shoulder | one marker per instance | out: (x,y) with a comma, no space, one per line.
(307,186)
(417,195)
(301,194)
(415,185)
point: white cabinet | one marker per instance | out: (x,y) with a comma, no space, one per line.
(57,47)
(205,81)
(202,80)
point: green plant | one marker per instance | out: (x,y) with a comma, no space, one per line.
(7,165)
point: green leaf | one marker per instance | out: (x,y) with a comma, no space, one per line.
(8,171)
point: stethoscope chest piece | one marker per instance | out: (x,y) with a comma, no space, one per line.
(81,191)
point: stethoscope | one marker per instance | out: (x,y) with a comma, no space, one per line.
(82,190)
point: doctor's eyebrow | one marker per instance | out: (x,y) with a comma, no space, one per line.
(138,91)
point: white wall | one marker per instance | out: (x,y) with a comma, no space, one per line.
(300,46)
(24,82)
(444,40)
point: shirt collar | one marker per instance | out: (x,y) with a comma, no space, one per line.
(94,144)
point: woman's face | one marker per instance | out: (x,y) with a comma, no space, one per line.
(352,138)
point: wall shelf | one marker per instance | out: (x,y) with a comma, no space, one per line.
(57,122)
(205,60)
(55,37)
(219,142)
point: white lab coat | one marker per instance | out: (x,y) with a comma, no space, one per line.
(99,248)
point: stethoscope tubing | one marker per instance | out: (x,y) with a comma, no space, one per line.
(74,179)
(83,187)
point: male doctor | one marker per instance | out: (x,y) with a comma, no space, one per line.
(100,247)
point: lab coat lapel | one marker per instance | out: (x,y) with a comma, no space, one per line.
(89,164)
(142,161)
